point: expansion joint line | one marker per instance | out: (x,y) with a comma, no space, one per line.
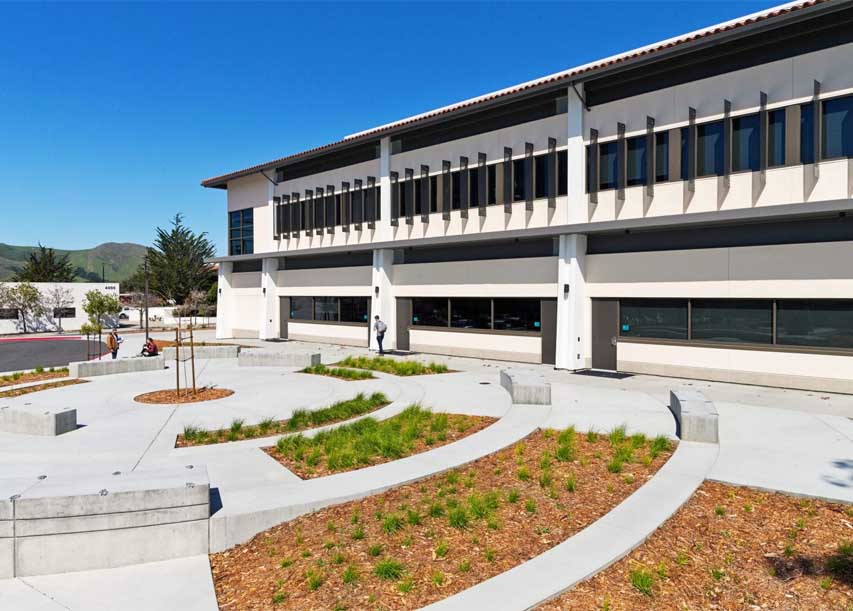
(45,594)
(155,438)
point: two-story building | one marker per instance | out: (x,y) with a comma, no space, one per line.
(680,209)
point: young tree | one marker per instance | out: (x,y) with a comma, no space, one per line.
(44,265)
(177,262)
(97,305)
(23,297)
(57,299)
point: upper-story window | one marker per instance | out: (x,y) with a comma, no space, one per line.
(241,232)
(709,149)
(746,143)
(776,137)
(838,128)
(807,133)
(661,156)
(635,161)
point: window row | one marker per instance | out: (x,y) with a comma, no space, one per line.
(330,309)
(824,323)
(8,313)
(14,314)
(319,209)
(645,159)
(241,232)
(477,313)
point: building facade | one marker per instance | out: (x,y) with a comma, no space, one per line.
(61,307)
(680,209)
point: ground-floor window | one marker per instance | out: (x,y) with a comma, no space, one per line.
(65,312)
(8,314)
(819,323)
(501,314)
(330,309)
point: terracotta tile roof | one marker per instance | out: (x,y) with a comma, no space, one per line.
(571,73)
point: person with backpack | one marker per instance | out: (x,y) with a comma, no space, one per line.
(380,328)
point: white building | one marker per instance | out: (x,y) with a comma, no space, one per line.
(71,316)
(678,209)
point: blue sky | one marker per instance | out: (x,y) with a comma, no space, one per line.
(111,114)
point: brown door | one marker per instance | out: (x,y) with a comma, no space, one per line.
(283,316)
(404,320)
(548,311)
(605,328)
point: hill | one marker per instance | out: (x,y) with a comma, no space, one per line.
(120,260)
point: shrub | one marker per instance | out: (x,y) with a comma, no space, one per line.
(374,550)
(513,495)
(392,524)
(464,566)
(617,435)
(659,444)
(477,505)
(591,436)
(413,517)
(389,569)
(565,453)
(236,425)
(441,549)
(191,432)
(435,510)
(614,466)
(530,506)
(458,518)
(523,474)
(315,579)
(642,580)
(405,586)
(350,574)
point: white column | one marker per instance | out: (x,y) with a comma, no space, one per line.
(570,302)
(576,154)
(223,301)
(383,303)
(269,299)
(383,227)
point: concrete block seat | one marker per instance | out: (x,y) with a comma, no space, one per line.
(204,352)
(526,386)
(695,416)
(58,525)
(90,369)
(37,420)
(258,357)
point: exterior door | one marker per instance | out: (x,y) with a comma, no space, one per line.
(548,330)
(283,316)
(404,320)
(605,329)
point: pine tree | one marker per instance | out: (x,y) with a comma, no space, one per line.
(43,265)
(177,264)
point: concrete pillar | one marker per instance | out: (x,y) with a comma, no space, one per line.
(269,299)
(576,154)
(383,227)
(383,302)
(223,301)
(570,303)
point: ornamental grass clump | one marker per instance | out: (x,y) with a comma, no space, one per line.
(338,372)
(392,366)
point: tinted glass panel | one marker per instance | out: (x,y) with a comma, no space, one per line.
(540,173)
(709,149)
(518,174)
(491,181)
(466,313)
(248,247)
(433,193)
(685,152)
(301,308)
(807,133)
(517,314)
(8,314)
(607,166)
(240,232)
(776,137)
(655,318)
(64,312)
(746,143)
(418,198)
(838,128)
(826,324)
(454,191)
(354,309)
(430,312)
(473,188)
(562,173)
(662,157)
(635,161)
(325,308)
(248,216)
(234,247)
(732,321)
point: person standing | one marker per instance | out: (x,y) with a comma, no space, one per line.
(113,341)
(380,328)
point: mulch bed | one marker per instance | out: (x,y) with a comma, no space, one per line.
(17,392)
(732,548)
(32,377)
(170,397)
(459,426)
(327,560)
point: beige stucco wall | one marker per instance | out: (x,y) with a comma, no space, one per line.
(331,282)
(348,335)
(524,348)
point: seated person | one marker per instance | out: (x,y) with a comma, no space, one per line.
(150,348)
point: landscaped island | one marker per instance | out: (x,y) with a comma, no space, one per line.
(393,366)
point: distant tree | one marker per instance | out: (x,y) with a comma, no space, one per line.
(43,265)
(57,298)
(23,297)
(177,262)
(97,305)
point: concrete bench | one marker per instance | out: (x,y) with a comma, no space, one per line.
(90,369)
(696,417)
(63,524)
(203,352)
(525,386)
(32,420)
(266,358)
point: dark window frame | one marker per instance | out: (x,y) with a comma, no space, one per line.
(244,232)
(448,317)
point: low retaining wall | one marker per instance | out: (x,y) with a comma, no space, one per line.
(62,525)
(31,420)
(525,386)
(265,358)
(90,369)
(204,352)
(696,417)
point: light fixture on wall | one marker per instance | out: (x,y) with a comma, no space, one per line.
(265,290)
(565,290)
(376,290)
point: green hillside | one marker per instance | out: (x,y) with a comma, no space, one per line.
(120,260)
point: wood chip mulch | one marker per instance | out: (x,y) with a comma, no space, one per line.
(33,377)
(17,392)
(170,397)
(327,560)
(732,548)
(459,426)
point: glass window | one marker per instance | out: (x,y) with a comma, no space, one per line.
(821,323)
(354,309)
(240,232)
(541,176)
(455,195)
(838,128)
(433,193)
(562,173)
(635,161)
(247,217)
(378,198)
(418,198)
(518,174)
(661,156)
(473,188)
(746,144)
(429,312)
(732,321)
(491,182)
(776,137)
(685,153)
(301,308)
(607,168)
(709,149)
(654,318)
(807,133)
(326,308)
(64,312)
(331,208)
(591,179)
(247,246)
(471,313)
(517,314)
(358,206)
(8,314)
